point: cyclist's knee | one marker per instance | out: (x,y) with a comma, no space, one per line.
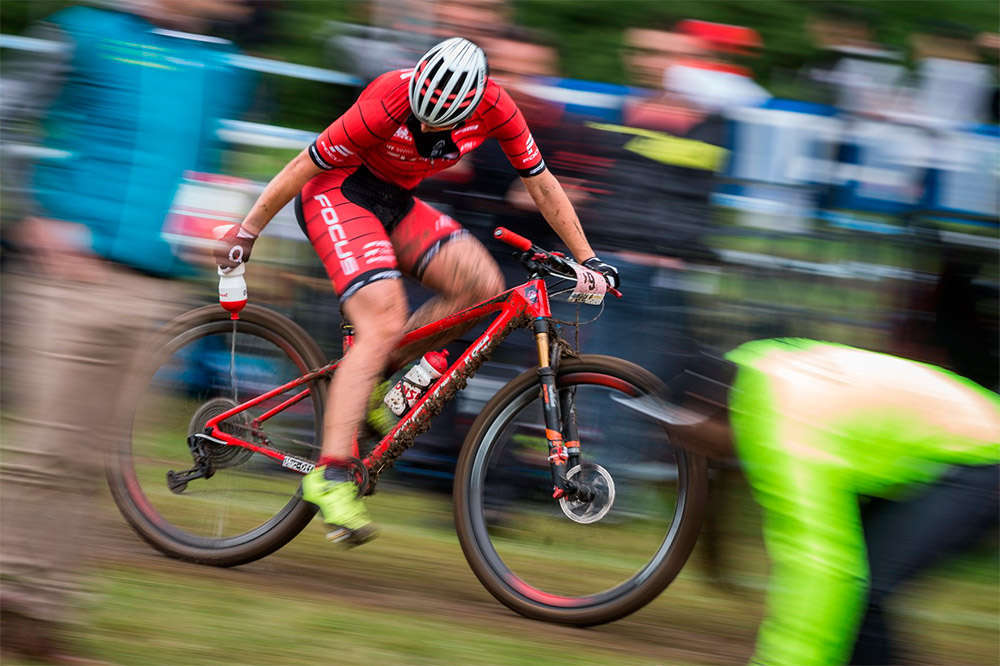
(487,283)
(378,312)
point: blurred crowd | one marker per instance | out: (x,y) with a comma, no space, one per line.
(863,213)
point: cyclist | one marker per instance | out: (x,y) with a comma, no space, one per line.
(355,203)
(817,426)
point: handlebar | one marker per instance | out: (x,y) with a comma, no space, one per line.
(514,240)
(541,261)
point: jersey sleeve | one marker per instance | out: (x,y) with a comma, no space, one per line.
(371,120)
(506,124)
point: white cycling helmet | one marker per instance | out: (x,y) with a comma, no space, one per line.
(448,82)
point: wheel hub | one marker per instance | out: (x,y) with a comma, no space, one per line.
(600,487)
(222,455)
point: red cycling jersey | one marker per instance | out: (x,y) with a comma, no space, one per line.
(360,215)
(380,132)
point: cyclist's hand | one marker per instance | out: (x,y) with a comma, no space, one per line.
(609,272)
(234,248)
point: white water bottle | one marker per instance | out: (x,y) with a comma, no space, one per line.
(408,390)
(233,290)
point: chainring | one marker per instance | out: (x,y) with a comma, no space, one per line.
(222,455)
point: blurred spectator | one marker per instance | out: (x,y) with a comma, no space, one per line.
(649,54)
(652,207)
(522,59)
(666,155)
(716,83)
(388,35)
(127,105)
(473,19)
(859,75)
(953,88)
(392,34)
(818,428)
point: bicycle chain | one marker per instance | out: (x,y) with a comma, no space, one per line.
(405,437)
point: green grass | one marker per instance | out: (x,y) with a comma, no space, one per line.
(159,618)
(409,598)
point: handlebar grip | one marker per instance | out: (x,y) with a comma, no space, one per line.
(512,239)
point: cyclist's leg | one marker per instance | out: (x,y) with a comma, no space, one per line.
(436,250)
(378,313)
(358,257)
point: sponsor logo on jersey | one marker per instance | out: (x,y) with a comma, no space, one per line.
(337,152)
(404,153)
(402,133)
(465,130)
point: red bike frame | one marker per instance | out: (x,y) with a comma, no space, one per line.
(516,308)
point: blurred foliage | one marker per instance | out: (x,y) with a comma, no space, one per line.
(589,34)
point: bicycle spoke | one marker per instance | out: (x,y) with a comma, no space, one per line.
(232,365)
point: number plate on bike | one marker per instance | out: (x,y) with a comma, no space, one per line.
(590,288)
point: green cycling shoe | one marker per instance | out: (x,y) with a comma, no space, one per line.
(343,511)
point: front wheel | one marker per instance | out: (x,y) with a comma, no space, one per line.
(570,562)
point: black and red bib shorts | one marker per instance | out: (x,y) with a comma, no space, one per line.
(365,229)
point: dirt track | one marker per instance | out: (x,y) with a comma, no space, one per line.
(694,621)
(658,633)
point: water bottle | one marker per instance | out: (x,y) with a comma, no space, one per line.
(408,390)
(233,290)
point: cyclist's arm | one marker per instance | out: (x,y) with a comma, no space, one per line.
(506,124)
(555,207)
(289,182)
(369,121)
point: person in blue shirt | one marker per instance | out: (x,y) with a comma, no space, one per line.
(126,101)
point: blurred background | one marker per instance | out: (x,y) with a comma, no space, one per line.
(755,169)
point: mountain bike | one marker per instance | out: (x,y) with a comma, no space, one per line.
(568,507)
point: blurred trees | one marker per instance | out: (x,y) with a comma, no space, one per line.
(588,35)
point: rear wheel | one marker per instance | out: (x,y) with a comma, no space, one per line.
(572,562)
(250,506)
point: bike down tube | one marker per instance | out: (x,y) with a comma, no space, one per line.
(530,298)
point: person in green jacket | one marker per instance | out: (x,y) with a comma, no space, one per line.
(817,426)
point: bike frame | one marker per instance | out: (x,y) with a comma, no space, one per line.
(519,307)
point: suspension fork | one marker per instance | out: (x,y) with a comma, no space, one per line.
(558,455)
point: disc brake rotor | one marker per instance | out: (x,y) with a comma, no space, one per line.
(222,455)
(596,479)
